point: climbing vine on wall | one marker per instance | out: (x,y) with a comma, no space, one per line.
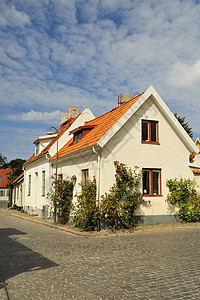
(119,205)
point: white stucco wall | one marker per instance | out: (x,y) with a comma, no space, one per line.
(35,200)
(171,156)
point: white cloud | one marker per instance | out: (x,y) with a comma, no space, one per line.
(86,53)
(9,15)
(184,75)
(35,116)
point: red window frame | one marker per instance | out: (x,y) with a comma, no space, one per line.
(85,175)
(150,183)
(149,132)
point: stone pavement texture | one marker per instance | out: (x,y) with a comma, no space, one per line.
(42,262)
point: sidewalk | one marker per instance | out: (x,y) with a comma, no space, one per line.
(77,231)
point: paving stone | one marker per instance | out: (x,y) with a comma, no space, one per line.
(40,262)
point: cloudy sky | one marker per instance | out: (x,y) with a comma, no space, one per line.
(57,53)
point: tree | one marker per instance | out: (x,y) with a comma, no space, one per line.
(184,124)
(16,166)
(3,162)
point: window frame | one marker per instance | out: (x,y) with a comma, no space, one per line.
(43,183)
(149,132)
(150,188)
(29,185)
(84,175)
(2,193)
(37,148)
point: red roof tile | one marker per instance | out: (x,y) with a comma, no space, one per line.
(19,177)
(196,171)
(61,130)
(102,124)
(4,177)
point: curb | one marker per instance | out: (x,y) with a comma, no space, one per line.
(72,231)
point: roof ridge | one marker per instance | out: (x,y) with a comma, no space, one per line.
(118,107)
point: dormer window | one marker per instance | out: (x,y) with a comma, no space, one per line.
(77,136)
(37,148)
(81,132)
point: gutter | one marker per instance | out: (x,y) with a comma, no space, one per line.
(99,174)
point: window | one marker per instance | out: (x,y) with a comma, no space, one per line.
(43,183)
(150,132)
(29,185)
(151,182)
(2,193)
(7,193)
(60,177)
(1,178)
(37,147)
(85,175)
(77,136)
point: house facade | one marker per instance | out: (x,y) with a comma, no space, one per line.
(4,190)
(39,170)
(142,132)
(18,191)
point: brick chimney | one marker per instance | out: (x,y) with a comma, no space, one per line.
(73,113)
(125,98)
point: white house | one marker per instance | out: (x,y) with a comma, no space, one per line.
(38,169)
(18,191)
(141,131)
(4,179)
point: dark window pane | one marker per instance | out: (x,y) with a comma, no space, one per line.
(155,178)
(145,181)
(154,131)
(145,135)
(85,175)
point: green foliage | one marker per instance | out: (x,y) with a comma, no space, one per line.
(86,210)
(183,193)
(3,162)
(16,166)
(61,196)
(185,124)
(119,206)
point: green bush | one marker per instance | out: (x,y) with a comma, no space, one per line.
(61,196)
(119,206)
(183,193)
(86,210)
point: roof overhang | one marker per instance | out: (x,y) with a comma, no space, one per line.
(165,110)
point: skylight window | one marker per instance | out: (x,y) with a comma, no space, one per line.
(1,178)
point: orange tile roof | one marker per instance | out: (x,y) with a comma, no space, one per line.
(102,124)
(4,177)
(196,171)
(61,130)
(19,177)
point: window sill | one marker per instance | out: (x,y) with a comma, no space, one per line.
(148,142)
(145,195)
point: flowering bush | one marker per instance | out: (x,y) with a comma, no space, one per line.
(183,193)
(119,206)
(86,210)
(61,196)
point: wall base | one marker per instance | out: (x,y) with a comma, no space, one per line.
(157,219)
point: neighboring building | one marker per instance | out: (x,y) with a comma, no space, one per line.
(18,191)
(38,169)
(141,131)
(4,179)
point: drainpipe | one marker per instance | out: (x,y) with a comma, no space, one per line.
(98,185)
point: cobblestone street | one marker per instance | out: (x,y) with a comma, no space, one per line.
(39,262)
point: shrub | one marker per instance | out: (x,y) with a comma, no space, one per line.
(183,193)
(86,210)
(119,206)
(61,196)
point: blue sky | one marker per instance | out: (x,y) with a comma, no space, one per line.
(57,53)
